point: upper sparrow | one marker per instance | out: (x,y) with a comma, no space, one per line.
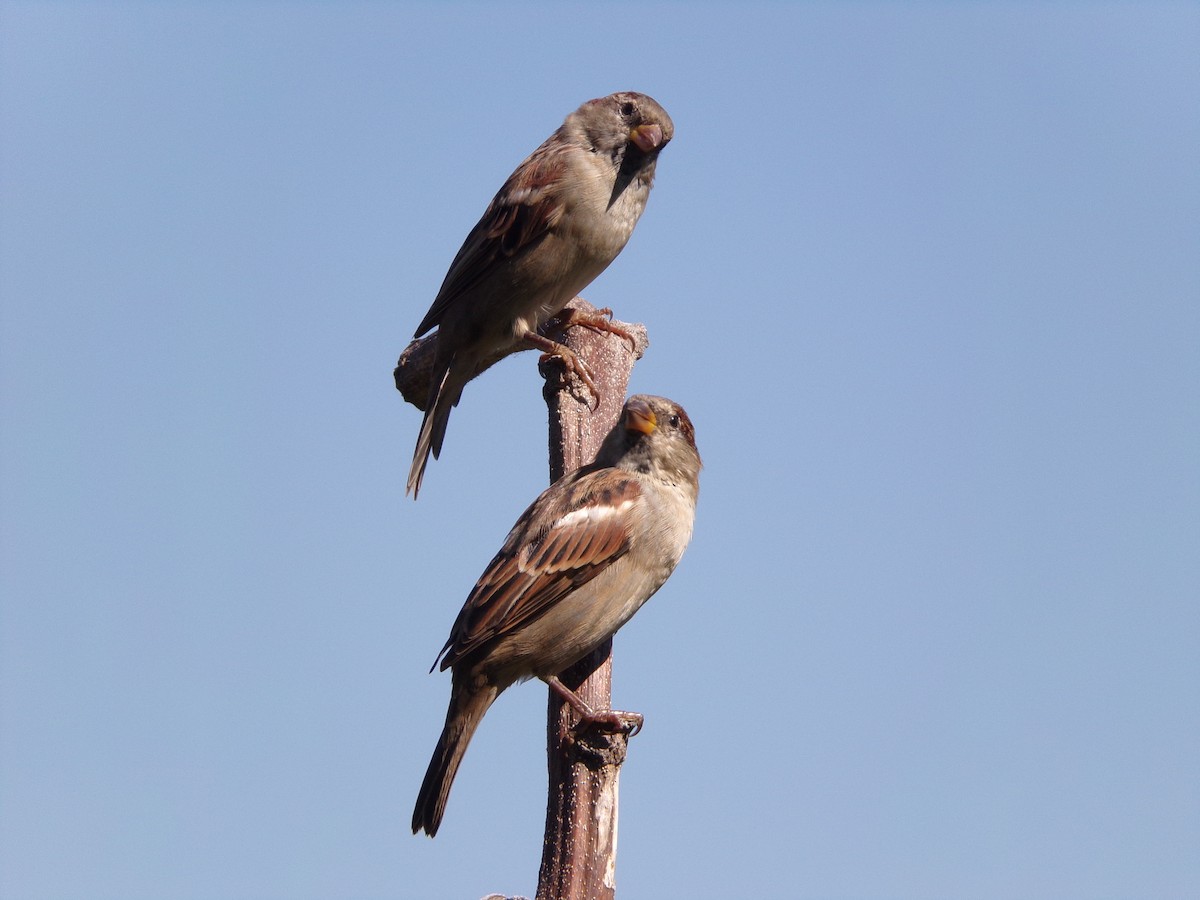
(577,565)
(557,222)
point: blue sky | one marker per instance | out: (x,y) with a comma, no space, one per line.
(927,279)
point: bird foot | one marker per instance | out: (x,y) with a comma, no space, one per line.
(600,320)
(609,721)
(570,359)
(612,721)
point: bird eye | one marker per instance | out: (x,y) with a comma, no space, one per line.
(627,108)
(673,421)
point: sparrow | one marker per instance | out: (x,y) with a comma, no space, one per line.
(557,222)
(580,561)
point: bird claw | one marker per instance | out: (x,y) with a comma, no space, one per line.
(612,721)
(570,359)
(600,320)
(574,365)
(606,721)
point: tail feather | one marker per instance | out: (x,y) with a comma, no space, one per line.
(443,397)
(467,706)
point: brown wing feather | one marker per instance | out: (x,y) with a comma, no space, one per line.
(554,549)
(518,216)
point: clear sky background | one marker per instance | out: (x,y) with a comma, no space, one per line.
(927,278)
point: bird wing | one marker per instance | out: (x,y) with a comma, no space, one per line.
(523,211)
(571,534)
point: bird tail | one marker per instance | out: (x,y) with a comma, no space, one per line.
(444,395)
(467,706)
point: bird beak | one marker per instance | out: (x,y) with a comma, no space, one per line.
(639,417)
(647,137)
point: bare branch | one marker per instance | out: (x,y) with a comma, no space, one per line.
(579,848)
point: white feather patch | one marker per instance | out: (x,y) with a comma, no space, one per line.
(592,514)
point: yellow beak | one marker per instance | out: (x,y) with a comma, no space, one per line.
(639,417)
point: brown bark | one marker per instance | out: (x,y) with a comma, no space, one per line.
(579,851)
(580,842)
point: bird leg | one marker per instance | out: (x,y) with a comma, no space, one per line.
(614,721)
(569,357)
(600,320)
